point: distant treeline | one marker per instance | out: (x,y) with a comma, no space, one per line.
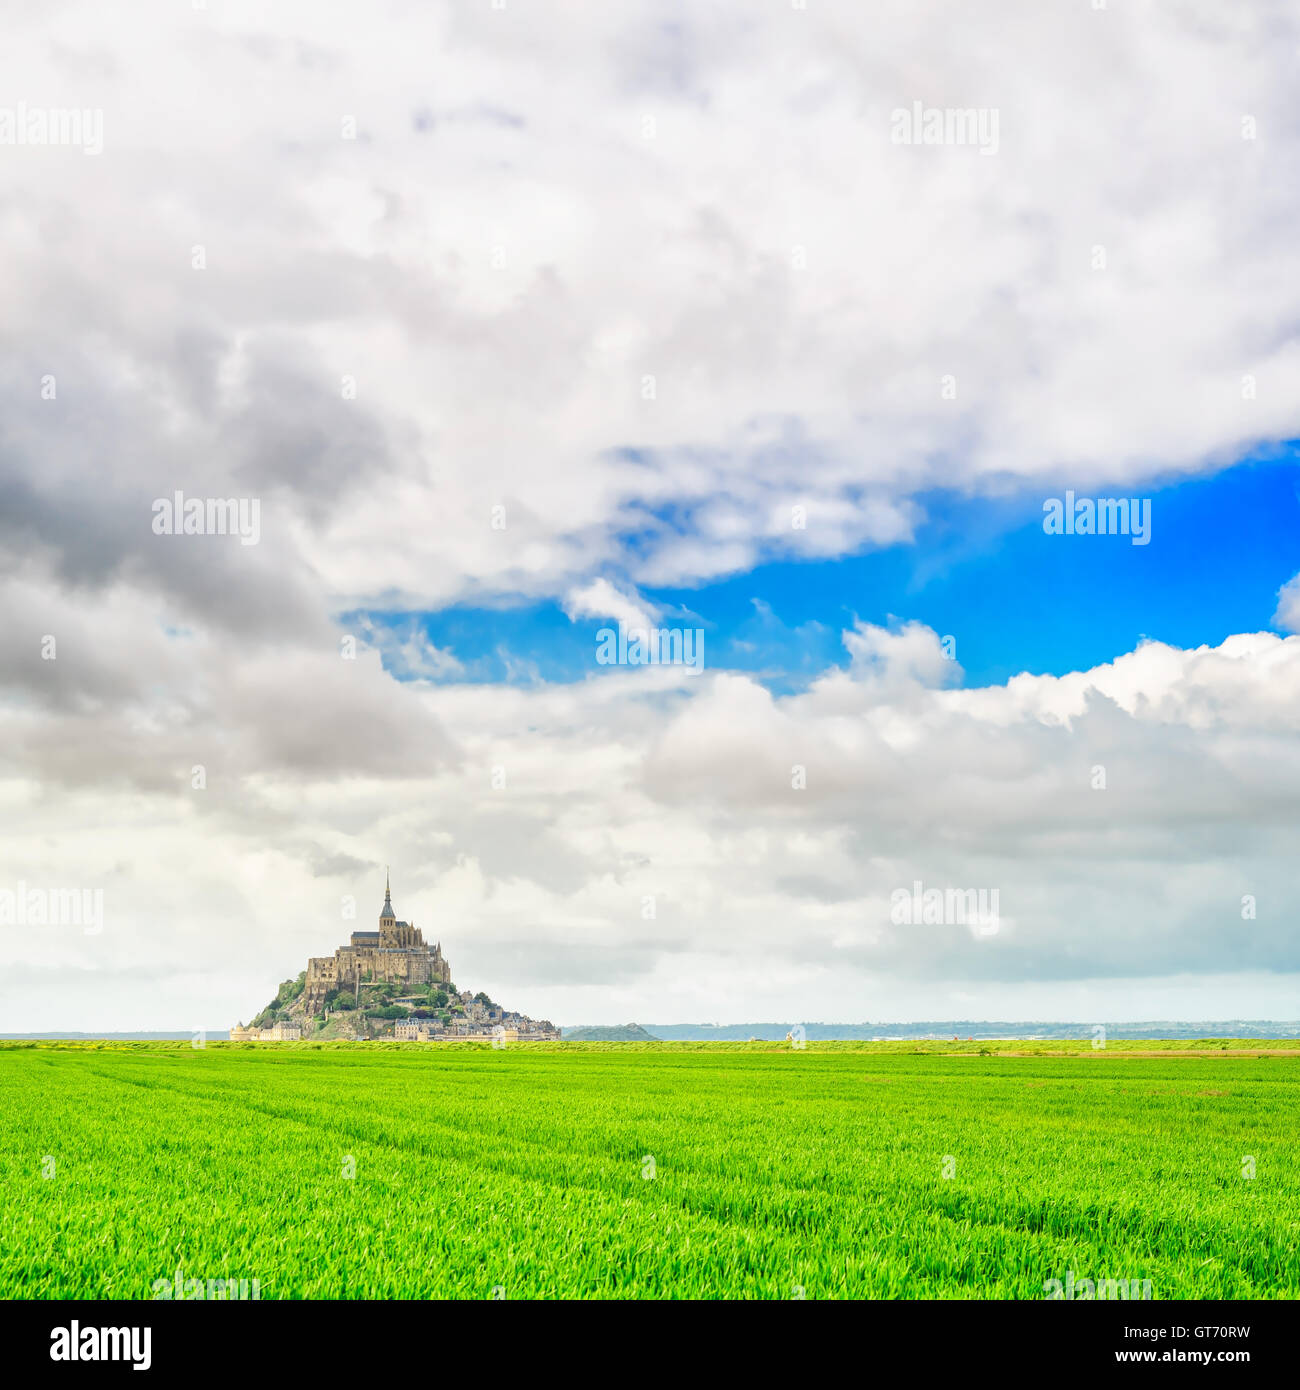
(216,1034)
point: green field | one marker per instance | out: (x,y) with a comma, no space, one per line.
(777,1173)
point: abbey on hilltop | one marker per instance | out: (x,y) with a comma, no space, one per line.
(386,983)
(395,953)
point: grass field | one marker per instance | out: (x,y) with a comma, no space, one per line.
(777,1173)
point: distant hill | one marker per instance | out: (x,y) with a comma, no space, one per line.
(625,1032)
(776,1032)
(946,1028)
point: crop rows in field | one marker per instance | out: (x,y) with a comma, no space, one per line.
(640,1171)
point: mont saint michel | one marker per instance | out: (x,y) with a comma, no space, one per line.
(386,983)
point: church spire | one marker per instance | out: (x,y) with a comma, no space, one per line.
(388,897)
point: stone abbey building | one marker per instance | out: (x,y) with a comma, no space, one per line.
(397,952)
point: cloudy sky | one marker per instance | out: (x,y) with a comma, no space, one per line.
(519,323)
